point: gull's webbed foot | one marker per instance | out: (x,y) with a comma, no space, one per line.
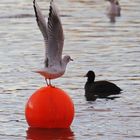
(50,83)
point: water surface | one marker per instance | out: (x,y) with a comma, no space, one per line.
(111,50)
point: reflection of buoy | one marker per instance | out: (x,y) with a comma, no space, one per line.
(49,107)
(49,134)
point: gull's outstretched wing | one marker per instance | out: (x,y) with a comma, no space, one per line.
(42,26)
(55,36)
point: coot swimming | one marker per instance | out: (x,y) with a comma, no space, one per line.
(99,89)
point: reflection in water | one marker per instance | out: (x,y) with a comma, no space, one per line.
(49,134)
(112,18)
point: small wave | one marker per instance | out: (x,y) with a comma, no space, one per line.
(17,16)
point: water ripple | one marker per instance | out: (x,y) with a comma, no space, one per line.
(111,50)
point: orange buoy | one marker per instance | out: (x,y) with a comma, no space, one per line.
(49,107)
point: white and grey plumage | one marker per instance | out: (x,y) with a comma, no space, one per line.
(53,35)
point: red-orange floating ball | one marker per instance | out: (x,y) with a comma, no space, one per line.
(49,107)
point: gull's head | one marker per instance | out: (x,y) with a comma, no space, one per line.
(117,3)
(67,59)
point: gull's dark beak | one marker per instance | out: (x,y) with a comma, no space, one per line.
(71,59)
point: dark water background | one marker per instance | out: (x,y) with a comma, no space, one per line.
(111,50)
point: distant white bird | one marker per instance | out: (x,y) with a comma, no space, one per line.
(114,9)
(52,32)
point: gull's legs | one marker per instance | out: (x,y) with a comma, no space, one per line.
(50,82)
(46,81)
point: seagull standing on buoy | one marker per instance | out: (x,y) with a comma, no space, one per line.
(53,35)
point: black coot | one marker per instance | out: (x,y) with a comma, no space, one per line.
(99,89)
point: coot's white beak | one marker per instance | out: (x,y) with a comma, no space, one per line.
(85,75)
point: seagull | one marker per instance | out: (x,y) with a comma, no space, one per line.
(53,35)
(114,9)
